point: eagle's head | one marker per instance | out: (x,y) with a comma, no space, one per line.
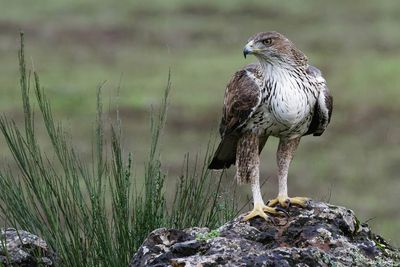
(274,48)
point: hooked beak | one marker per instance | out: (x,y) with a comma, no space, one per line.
(248,49)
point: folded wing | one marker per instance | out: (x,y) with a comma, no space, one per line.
(242,96)
(323,107)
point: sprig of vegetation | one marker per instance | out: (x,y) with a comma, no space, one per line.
(98,213)
(209,235)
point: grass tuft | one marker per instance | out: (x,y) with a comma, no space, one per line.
(98,213)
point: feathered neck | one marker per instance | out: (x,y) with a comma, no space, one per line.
(269,68)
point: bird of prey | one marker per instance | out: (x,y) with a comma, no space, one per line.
(281,96)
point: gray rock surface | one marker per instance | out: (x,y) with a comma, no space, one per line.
(321,235)
(21,248)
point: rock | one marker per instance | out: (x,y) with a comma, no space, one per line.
(320,235)
(21,248)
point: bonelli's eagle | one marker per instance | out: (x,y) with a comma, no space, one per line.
(281,96)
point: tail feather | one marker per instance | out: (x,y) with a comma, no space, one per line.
(225,155)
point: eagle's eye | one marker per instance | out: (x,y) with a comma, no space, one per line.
(267,41)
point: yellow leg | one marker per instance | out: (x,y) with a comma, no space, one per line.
(284,202)
(260,210)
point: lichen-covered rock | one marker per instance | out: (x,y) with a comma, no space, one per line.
(21,248)
(321,235)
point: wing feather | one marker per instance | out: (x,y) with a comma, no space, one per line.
(323,107)
(242,96)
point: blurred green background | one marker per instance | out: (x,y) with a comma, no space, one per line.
(76,45)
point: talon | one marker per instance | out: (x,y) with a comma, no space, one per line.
(274,221)
(286,202)
(260,210)
(279,209)
(272,202)
(270,210)
(300,201)
(265,212)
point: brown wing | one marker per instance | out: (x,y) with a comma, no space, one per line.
(242,96)
(323,107)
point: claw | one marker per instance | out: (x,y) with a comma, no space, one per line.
(299,201)
(285,202)
(277,208)
(259,210)
(262,210)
